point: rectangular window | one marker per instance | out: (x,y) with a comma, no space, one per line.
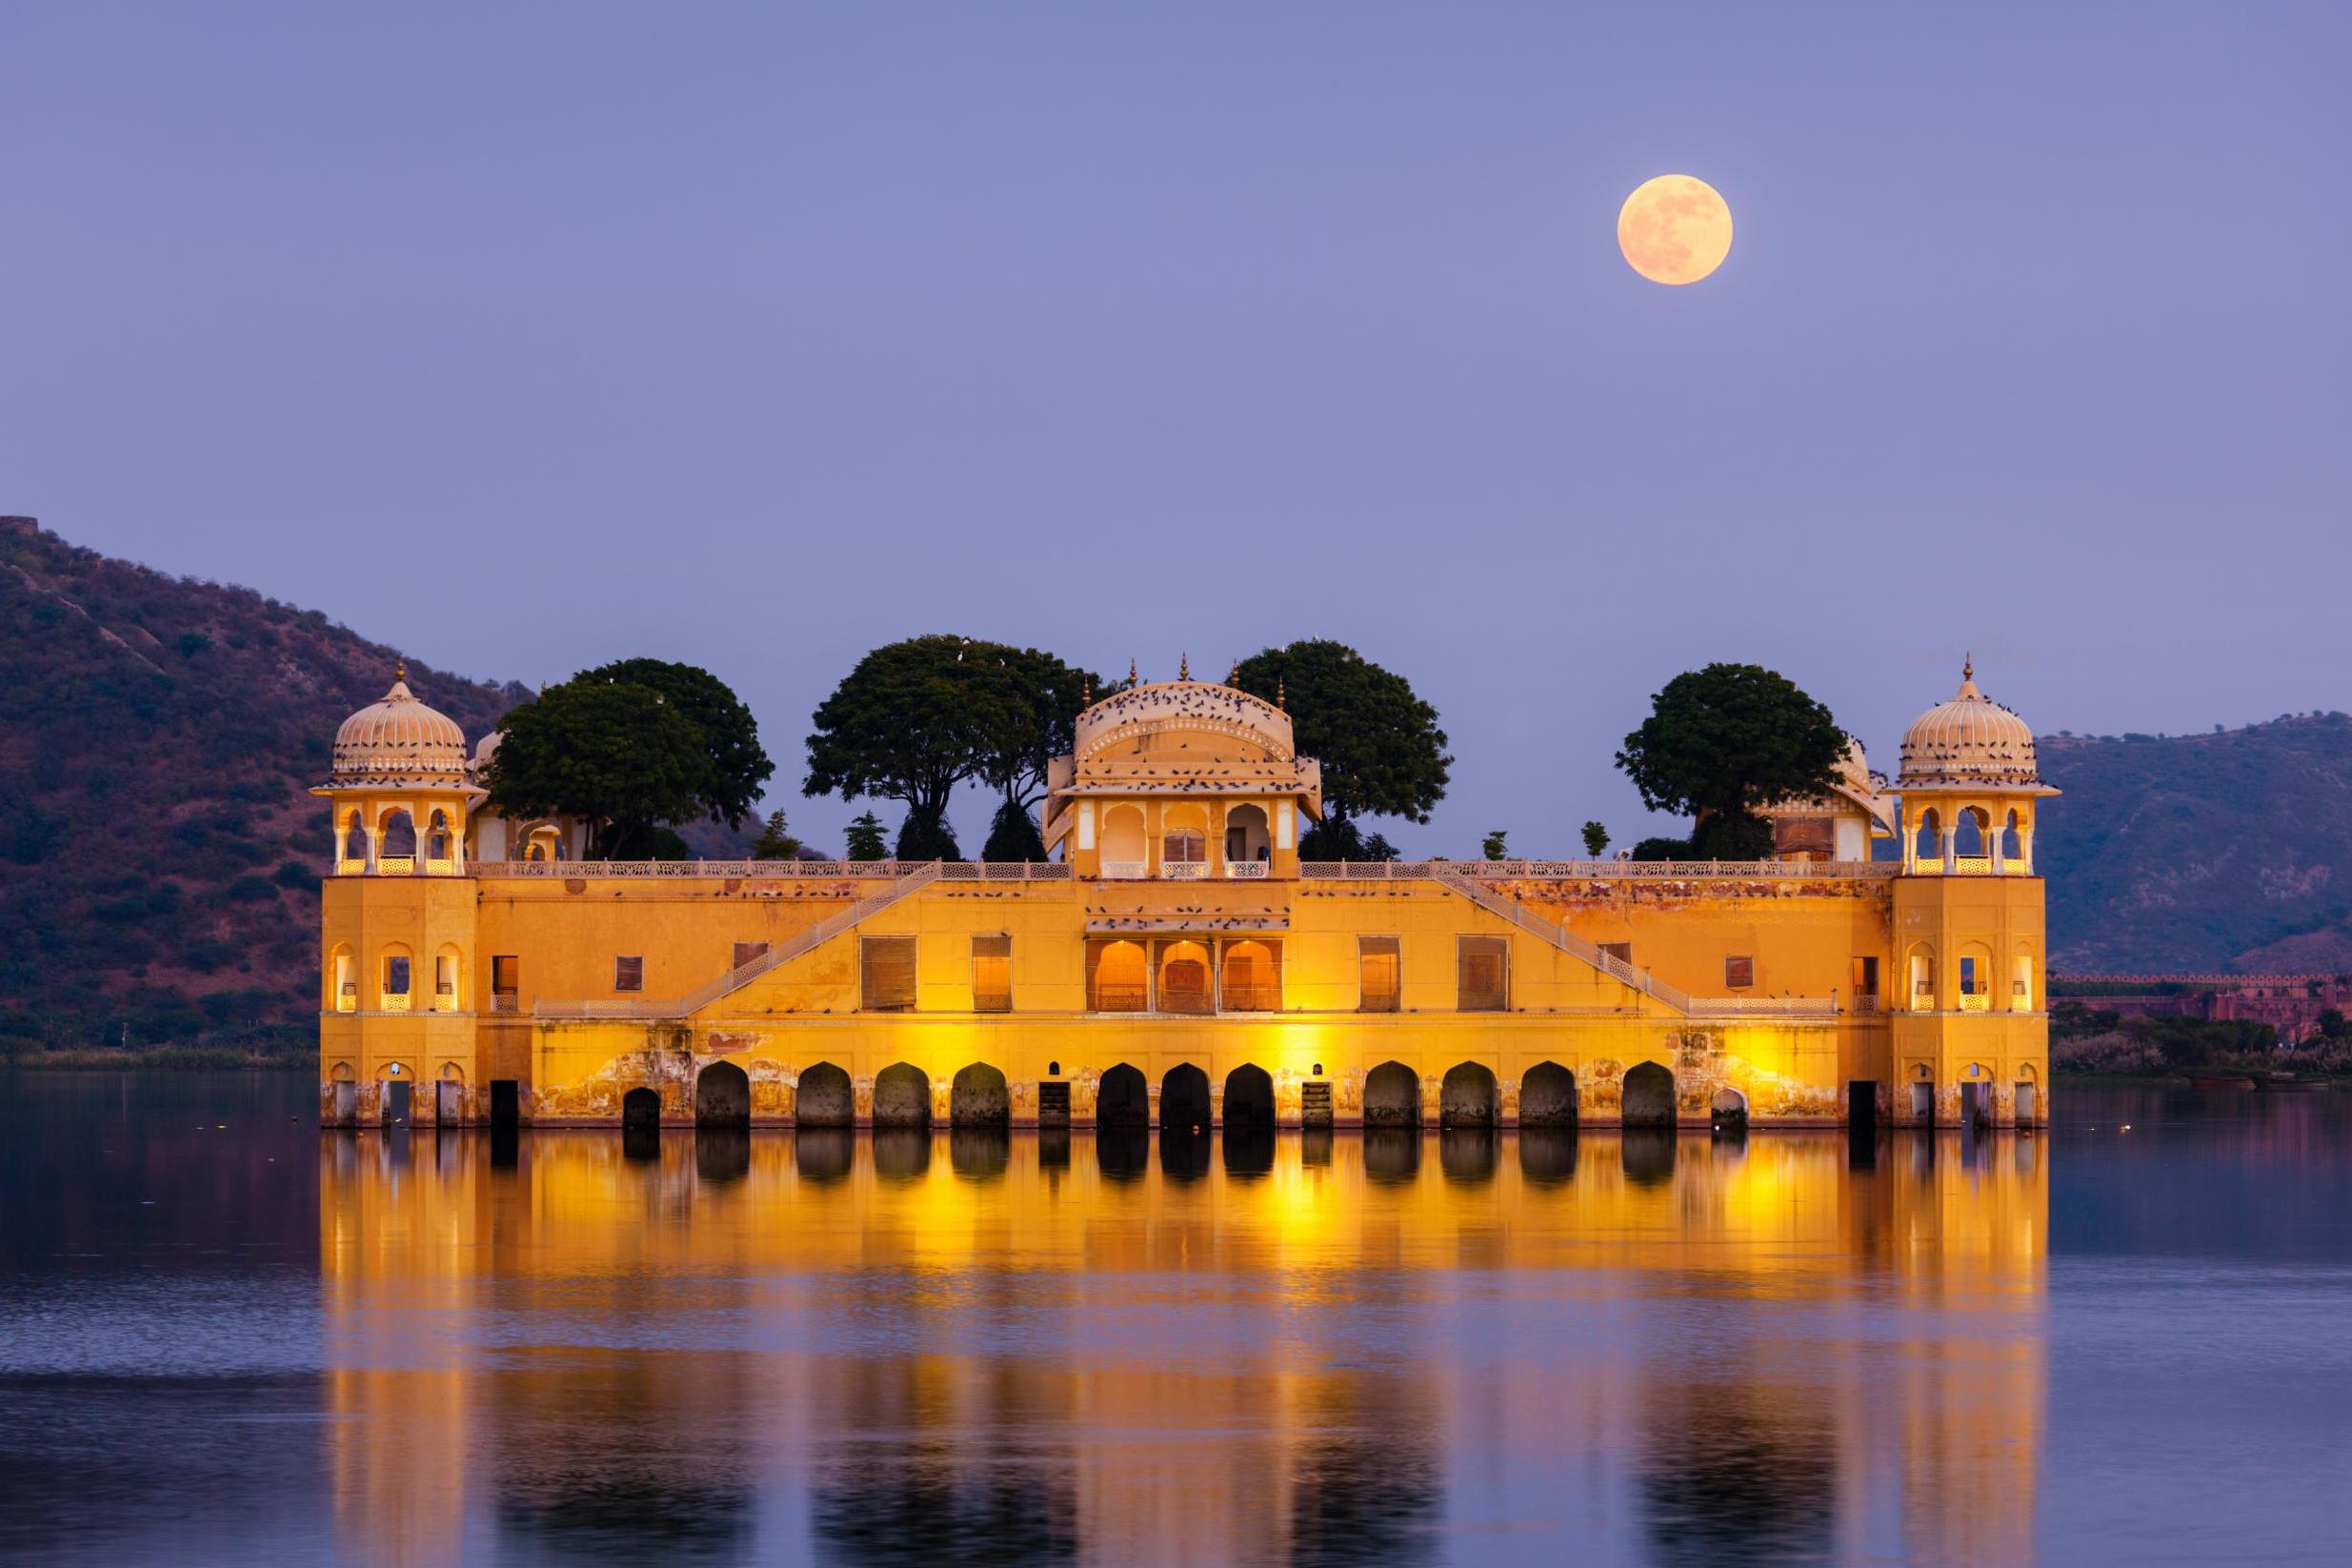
(1866,981)
(506,978)
(1968,976)
(1483,973)
(1379,968)
(746,952)
(628,973)
(2021,987)
(1621,952)
(992,973)
(886,973)
(395,977)
(1738,972)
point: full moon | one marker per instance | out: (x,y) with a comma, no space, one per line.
(1674,229)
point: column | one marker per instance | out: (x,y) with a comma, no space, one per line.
(1951,849)
(375,839)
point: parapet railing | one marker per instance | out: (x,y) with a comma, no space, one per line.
(814,871)
(1455,878)
(1600,870)
(921,875)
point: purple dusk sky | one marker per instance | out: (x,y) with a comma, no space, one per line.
(529,337)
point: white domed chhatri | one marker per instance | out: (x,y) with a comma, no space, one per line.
(1968,740)
(399,740)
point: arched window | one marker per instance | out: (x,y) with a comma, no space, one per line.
(1921,965)
(342,980)
(447,981)
(1122,841)
(2013,843)
(1117,980)
(352,845)
(1251,977)
(439,854)
(1247,841)
(1183,977)
(1928,844)
(2021,984)
(1975,978)
(1968,833)
(397,850)
(394,983)
(1184,840)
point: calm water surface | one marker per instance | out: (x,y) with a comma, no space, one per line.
(226,1338)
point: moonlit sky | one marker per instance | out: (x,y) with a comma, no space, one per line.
(525,338)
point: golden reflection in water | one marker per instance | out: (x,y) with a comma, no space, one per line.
(862,1348)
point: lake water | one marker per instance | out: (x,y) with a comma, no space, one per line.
(226,1338)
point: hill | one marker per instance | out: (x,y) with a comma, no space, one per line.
(2229,850)
(160,859)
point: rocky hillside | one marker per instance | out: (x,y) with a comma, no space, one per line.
(2228,850)
(159,861)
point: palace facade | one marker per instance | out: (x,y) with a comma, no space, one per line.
(1175,963)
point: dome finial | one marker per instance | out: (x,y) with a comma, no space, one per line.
(1131,672)
(1281,695)
(1968,666)
(400,670)
(1184,667)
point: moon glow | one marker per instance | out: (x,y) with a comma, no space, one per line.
(1674,229)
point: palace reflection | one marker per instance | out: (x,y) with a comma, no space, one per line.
(850,1348)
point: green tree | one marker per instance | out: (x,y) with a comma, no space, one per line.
(1379,744)
(735,764)
(1034,701)
(866,842)
(775,842)
(926,837)
(1012,835)
(1596,840)
(1495,846)
(1662,848)
(2332,1024)
(1722,741)
(618,755)
(912,721)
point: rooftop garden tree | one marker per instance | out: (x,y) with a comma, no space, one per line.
(1723,741)
(1379,744)
(736,766)
(616,754)
(909,723)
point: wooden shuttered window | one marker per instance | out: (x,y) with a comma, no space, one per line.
(1379,967)
(1738,972)
(992,973)
(628,973)
(886,973)
(746,952)
(1483,973)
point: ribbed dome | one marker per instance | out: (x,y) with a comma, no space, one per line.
(399,740)
(1970,739)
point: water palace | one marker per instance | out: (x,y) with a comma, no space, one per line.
(1177,964)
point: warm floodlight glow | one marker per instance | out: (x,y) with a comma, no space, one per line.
(1674,229)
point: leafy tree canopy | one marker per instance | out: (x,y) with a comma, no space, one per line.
(1596,840)
(1722,741)
(912,721)
(926,836)
(1379,744)
(1012,835)
(1341,839)
(1497,845)
(775,841)
(1036,705)
(866,837)
(737,765)
(617,754)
